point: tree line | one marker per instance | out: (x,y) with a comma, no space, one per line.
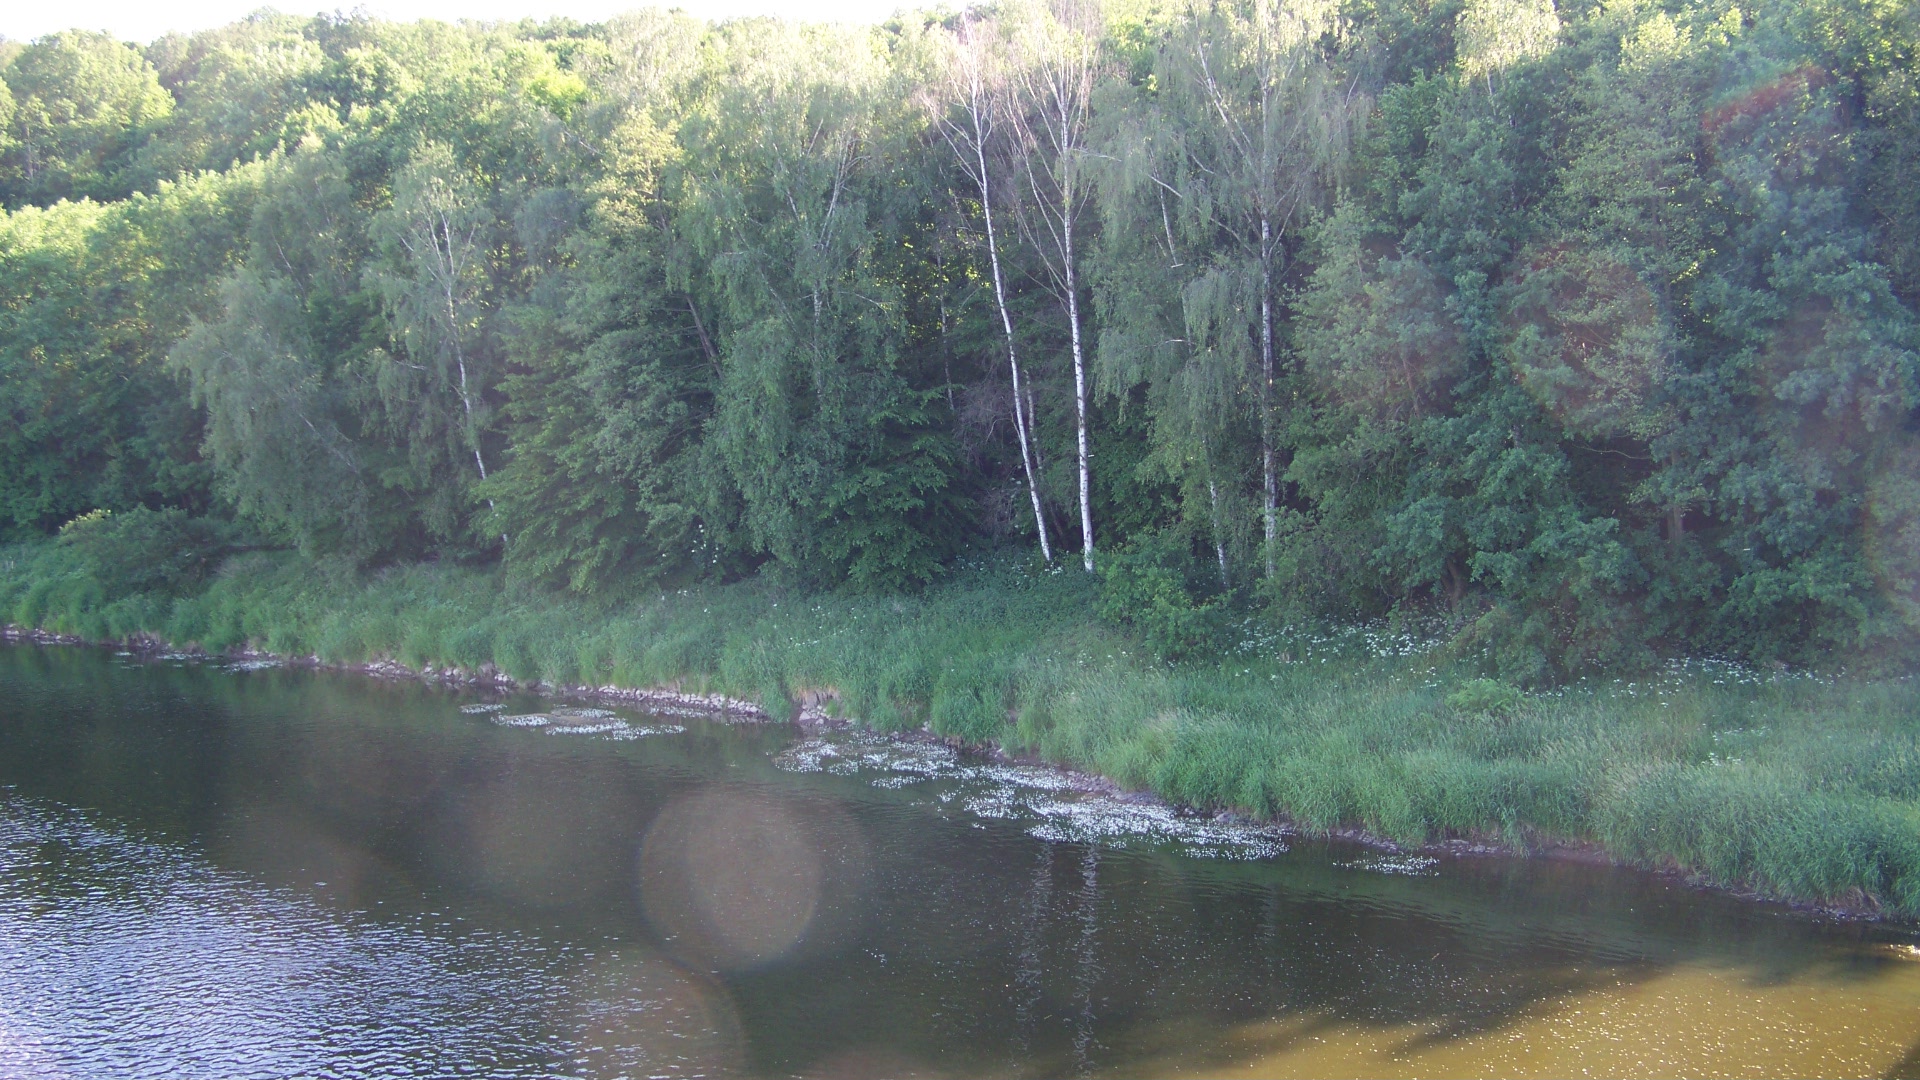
(1590,326)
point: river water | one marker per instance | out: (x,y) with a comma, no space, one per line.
(212,870)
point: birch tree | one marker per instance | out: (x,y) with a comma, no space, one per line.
(1060,64)
(839,470)
(1150,250)
(433,279)
(1263,120)
(969,109)
(268,368)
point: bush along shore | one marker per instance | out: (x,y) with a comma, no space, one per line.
(1789,785)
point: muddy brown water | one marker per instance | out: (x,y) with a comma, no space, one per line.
(211,870)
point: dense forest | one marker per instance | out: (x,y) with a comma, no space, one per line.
(1589,329)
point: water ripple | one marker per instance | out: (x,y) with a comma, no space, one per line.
(125,957)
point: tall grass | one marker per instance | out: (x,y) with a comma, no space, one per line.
(1798,786)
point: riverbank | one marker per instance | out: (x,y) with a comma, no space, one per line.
(1785,785)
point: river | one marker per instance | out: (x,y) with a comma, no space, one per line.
(213,869)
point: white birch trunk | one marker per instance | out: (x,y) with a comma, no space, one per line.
(1269,478)
(460,364)
(1079,403)
(1006,321)
(1059,85)
(1219,542)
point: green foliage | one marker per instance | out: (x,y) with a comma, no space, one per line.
(163,552)
(1587,329)
(272,367)
(1145,586)
(431,274)
(1488,697)
(80,101)
(840,467)
(91,298)
(241,92)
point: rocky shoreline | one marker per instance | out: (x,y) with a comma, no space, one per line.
(812,713)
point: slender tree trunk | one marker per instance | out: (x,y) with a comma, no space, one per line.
(466,399)
(473,433)
(473,437)
(1013,358)
(946,357)
(1033,424)
(1079,405)
(1219,542)
(1269,478)
(447,266)
(706,343)
(1676,512)
(32,148)
(1060,86)
(1021,424)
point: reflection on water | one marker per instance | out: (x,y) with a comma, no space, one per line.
(206,871)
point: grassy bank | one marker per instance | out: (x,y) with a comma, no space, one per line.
(1794,785)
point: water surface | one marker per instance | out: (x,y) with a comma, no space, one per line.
(207,870)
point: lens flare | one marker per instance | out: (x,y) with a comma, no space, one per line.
(736,878)
(1586,340)
(1390,348)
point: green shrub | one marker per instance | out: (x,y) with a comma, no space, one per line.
(150,551)
(1485,697)
(1145,586)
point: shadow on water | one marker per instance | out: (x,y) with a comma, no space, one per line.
(1908,1067)
(671,902)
